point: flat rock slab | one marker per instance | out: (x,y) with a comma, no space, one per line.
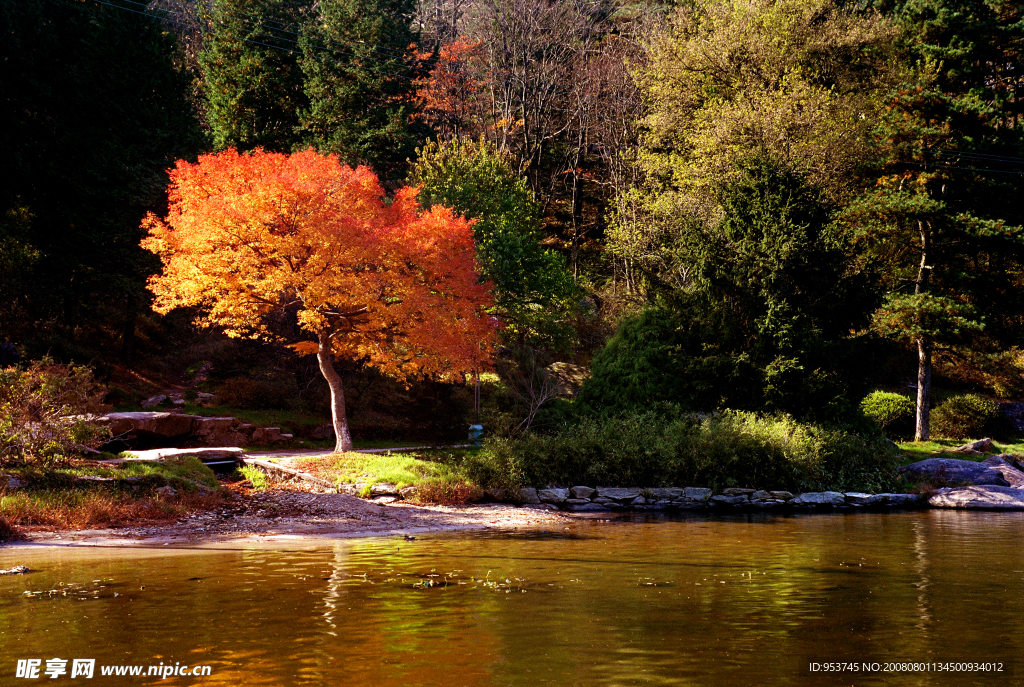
(819,498)
(979,497)
(207,455)
(1010,472)
(952,471)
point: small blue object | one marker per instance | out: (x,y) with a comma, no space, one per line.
(476,433)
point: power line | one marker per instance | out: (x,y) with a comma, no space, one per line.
(548,108)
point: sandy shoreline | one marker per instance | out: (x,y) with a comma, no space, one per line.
(283,514)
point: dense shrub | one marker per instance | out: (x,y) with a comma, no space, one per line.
(969,417)
(45,412)
(664,447)
(894,413)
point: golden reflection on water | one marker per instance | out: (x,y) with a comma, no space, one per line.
(740,600)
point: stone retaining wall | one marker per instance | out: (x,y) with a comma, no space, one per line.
(584,499)
(596,499)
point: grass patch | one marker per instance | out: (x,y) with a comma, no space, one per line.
(941,448)
(439,477)
(400,469)
(256,477)
(73,498)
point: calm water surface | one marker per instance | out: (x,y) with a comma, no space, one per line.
(744,600)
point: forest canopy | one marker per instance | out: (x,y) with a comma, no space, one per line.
(774,205)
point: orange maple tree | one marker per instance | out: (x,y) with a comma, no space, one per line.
(448,96)
(373,279)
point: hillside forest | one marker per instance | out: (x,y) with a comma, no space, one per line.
(773,206)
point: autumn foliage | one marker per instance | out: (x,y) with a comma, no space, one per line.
(370,278)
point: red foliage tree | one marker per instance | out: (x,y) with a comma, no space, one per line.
(372,279)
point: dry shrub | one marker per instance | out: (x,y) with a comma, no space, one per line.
(78,510)
(45,412)
(448,492)
(8,532)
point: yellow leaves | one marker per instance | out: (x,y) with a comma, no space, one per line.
(247,235)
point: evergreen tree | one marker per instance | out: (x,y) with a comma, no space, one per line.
(251,74)
(945,215)
(359,68)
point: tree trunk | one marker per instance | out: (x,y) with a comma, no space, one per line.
(924,388)
(924,346)
(343,439)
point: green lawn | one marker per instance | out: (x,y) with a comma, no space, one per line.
(939,448)
(443,482)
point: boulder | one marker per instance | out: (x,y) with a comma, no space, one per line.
(618,493)
(528,495)
(726,500)
(154,401)
(585,507)
(582,492)
(696,494)
(553,495)
(541,506)
(207,455)
(407,492)
(949,471)
(384,489)
(819,498)
(784,495)
(902,500)
(857,498)
(206,400)
(166,491)
(1010,472)
(664,494)
(760,495)
(576,502)
(975,448)
(267,435)
(735,491)
(10,482)
(979,497)
(156,424)
(496,494)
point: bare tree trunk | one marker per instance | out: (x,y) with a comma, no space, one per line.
(343,439)
(924,388)
(924,346)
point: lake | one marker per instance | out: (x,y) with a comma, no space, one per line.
(681,600)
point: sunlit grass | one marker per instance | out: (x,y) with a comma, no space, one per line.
(435,481)
(400,469)
(941,448)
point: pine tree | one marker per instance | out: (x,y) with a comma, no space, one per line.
(945,215)
(251,74)
(359,69)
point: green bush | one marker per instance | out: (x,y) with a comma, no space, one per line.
(894,413)
(969,417)
(665,447)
